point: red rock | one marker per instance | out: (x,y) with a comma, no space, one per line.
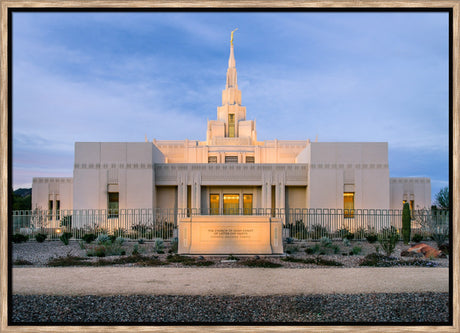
(426,250)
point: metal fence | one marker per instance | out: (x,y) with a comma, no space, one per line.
(306,224)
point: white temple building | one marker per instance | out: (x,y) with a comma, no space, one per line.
(231,172)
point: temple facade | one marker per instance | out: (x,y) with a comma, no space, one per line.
(231,172)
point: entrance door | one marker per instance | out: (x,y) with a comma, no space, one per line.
(247,204)
(214,200)
(231,204)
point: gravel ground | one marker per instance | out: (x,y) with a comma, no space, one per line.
(39,253)
(399,308)
(422,308)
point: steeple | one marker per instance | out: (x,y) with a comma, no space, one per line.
(231,71)
(231,123)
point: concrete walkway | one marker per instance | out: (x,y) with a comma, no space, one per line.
(226,281)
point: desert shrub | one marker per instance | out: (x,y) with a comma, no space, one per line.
(360,233)
(291,249)
(289,240)
(346,242)
(406,219)
(174,246)
(103,239)
(313,249)
(65,237)
(372,237)
(440,238)
(141,241)
(318,231)
(388,239)
(417,238)
(119,240)
(341,233)
(350,236)
(335,248)
(40,237)
(19,238)
(135,250)
(377,260)
(356,250)
(100,251)
(88,238)
(112,238)
(326,241)
(159,245)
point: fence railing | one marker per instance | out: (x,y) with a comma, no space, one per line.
(307,224)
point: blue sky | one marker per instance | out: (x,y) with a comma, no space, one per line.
(339,76)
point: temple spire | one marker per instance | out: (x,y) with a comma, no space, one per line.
(231,71)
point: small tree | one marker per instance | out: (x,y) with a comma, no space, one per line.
(442,198)
(406,219)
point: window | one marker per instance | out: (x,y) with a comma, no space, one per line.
(231,204)
(212,159)
(348,204)
(113,205)
(214,204)
(231,125)
(249,159)
(58,208)
(50,209)
(247,204)
(231,159)
(411,205)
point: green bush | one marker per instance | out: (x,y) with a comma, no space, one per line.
(388,239)
(350,236)
(372,237)
(417,238)
(159,245)
(356,250)
(40,237)
(406,223)
(174,246)
(318,231)
(88,238)
(291,249)
(326,241)
(65,237)
(103,239)
(19,238)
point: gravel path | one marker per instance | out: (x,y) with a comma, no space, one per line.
(423,308)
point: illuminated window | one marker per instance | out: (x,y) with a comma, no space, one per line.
(231,204)
(348,204)
(411,205)
(212,159)
(58,208)
(231,125)
(113,205)
(249,159)
(247,204)
(231,159)
(214,204)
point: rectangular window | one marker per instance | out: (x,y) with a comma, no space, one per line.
(214,204)
(50,210)
(411,205)
(247,204)
(113,205)
(231,125)
(58,208)
(231,159)
(348,204)
(249,159)
(231,204)
(212,159)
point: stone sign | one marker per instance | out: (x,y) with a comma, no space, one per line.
(230,234)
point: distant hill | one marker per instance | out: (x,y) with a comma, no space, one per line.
(23,192)
(22,199)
